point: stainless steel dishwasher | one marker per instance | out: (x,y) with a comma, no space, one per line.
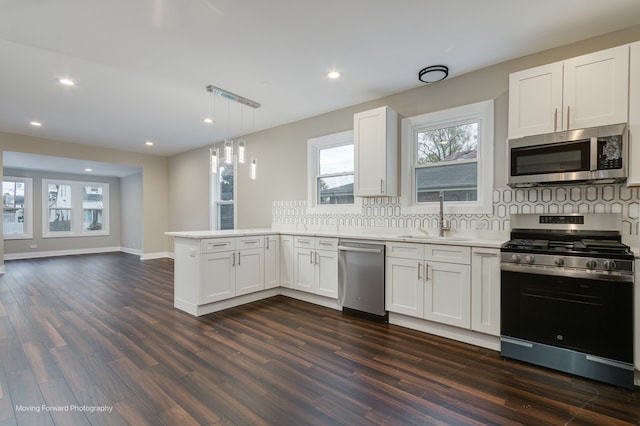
(361,278)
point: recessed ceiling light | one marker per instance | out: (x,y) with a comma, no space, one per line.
(88,170)
(207,120)
(66,81)
(148,143)
(35,123)
(333,75)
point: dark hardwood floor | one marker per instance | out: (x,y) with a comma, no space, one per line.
(95,340)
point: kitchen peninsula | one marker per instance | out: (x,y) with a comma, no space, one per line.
(459,299)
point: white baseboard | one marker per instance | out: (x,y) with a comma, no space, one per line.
(158,255)
(55,253)
(129,250)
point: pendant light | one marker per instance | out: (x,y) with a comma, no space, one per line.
(228,151)
(213,160)
(254,167)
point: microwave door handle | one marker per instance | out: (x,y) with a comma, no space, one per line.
(594,154)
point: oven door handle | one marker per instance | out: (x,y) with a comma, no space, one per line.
(570,273)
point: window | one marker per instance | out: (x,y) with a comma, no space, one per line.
(74,209)
(225,207)
(330,162)
(449,151)
(17,220)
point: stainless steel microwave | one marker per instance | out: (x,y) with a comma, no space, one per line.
(592,155)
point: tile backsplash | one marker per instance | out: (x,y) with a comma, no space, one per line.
(386,213)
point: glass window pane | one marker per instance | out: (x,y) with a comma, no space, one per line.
(59,220)
(13,221)
(92,208)
(225,216)
(335,190)
(447,144)
(59,196)
(226,183)
(338,159)
(13,199)
(458,181)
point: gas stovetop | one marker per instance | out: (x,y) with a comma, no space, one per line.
(579,247)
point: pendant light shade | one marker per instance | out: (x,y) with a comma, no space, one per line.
(254,167)
(241,151)
(228,151)
(213,160)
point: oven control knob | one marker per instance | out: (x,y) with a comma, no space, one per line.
(609,265)
(592,263)
(529,259)
(558,261)
(515,258)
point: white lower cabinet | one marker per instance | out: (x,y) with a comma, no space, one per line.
(429,281)
(271,261)
(485,290)
(286,260)
(231,267)
(316,265)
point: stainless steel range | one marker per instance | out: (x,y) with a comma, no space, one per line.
(567,295)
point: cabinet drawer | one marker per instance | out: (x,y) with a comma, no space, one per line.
(304,242)
(249,242)
(405,250)
(450,254)
(213,245)
(327,244)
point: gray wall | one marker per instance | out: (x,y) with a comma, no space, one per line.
(131,224)
(65,243)
(281,151)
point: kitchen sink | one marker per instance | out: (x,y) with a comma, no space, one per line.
(432,237)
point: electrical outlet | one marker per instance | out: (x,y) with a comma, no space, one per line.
(33,246)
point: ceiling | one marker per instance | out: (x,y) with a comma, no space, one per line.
(141,67)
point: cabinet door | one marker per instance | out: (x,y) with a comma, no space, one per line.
(286,261)
(447,294)
(535,101)
(304,270)
(375,135)
(218,277)
(596,88)
(271,261)
(327,273)
(485,291)
(404,286)
(249,271)
(634,116)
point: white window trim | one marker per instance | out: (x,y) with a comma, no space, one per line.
(314,146)
(482,112)
(77,213)
(28,208)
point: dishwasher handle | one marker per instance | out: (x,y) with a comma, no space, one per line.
(361,249)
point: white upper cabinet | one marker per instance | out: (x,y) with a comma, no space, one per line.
(587,91)
(634,116)
(375,134)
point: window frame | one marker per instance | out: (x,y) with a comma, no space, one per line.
(216,202)
(480,112)
(77,209)
(314,146)
(28,209)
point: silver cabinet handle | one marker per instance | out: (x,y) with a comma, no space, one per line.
(233,262)
(568,117)
(382,186)
(419,271)
(426,272)
(555,120)
(311,258)
(267,243)
(317,257)
(238,258)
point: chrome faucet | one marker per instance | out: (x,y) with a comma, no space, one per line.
(442,224)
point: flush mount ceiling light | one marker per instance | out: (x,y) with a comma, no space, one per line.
(149,143)
(35,123)
(66,81)
(208,120)
(333,75)
(433,73)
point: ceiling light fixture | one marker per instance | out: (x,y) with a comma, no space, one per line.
(333,75)
(35,123)
(433,73)
(208,120)
(66,81)
(88,170)
(149,143)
